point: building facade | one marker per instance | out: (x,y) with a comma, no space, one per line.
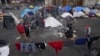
(73,2)
(64,2)
(90,2)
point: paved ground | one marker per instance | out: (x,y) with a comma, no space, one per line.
(51,35)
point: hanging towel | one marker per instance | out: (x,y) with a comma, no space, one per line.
(81,41)
(17,46)
(40,45)
(27,47)
(57,45)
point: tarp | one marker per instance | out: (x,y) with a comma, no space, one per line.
(26,10)
(61,9)
(79,14)
(67,8)
(52,22)
(78,8)
(64,15)
(86,10)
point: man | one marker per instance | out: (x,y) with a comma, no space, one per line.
(87,31)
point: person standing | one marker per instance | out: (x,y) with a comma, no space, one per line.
(87,35)
(87,30)
(26,27)
(21,31)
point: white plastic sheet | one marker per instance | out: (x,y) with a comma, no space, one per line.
(79,14)
(4,51)
(52,22)
(64,15)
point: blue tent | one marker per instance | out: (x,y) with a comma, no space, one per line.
(68,8)
(78,8)
(26,10)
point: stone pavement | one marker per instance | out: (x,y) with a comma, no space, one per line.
(52,35)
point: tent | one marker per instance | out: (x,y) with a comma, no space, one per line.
(52,22)
(78,8)
(86,10)
(67,8)
(26,10)
(64,15)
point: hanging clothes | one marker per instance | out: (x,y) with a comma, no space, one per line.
(40,45)
(18,46)
(57,45)
(81,41)
(28,47)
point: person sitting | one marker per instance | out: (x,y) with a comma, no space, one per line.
(69,33)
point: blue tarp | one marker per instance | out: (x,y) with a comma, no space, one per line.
(68,8)
(26,10)
(78,8)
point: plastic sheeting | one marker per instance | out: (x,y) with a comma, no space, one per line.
(79,14)
(52,22)
(25,11)
(64,15)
